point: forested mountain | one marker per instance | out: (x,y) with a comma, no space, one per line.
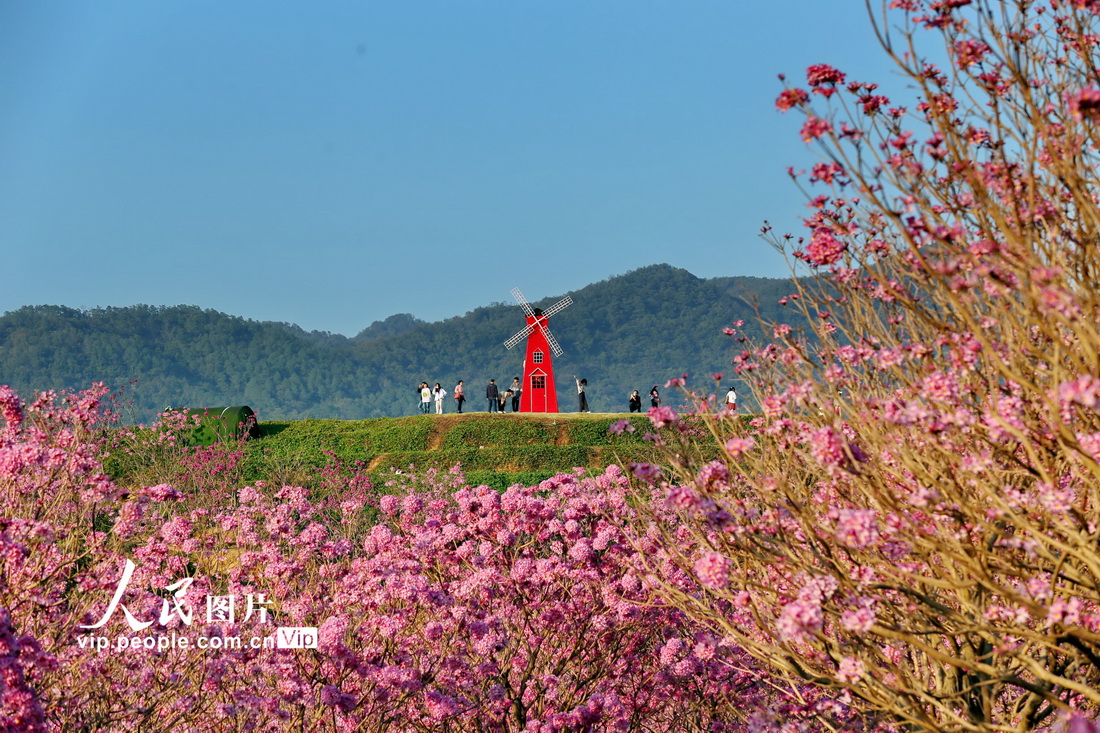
(627,332)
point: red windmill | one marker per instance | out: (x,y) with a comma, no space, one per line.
(538,394)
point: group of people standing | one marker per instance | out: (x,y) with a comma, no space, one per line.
(635,400)
(655,399)
(499,400)
(437,393)
(430,394)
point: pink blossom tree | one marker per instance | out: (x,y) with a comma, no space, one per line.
(913,519)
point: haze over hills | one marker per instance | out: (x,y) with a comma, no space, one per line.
(627,332)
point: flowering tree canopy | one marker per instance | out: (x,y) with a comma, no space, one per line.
(914,518)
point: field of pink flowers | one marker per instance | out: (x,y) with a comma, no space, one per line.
(907,538)
(459,609)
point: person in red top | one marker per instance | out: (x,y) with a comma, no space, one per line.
(460,397)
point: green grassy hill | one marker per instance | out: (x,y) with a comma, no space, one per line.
(493,449)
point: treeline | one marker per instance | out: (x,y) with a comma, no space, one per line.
(627,332)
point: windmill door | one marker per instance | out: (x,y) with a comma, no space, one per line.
(538,391)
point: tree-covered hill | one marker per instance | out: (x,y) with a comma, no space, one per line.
(627,332)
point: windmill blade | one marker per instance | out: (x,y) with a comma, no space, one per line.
(552,341)
(519,336)
(523,302)
(558,307)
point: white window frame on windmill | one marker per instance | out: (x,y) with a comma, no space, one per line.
(537,357)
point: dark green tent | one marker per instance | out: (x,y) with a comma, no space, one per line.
(221,424)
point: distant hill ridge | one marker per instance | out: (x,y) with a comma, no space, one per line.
(627,332)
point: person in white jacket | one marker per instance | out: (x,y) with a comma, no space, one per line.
(439,393)
(731,399)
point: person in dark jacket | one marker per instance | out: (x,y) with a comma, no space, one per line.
(654,397)
(516,389)
(635,401)
(492,393)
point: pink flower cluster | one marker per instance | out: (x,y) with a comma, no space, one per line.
(1085,104)
(11,408)
(790,98)
(20,709)
(824,248)
(820,75)
(713,570)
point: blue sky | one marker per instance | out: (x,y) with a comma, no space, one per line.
(331,163)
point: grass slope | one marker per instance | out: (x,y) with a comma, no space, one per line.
(493,449)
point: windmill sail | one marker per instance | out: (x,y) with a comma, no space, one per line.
(540,322)
(558,307)
(552,341)
(519,336)
(522,302)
